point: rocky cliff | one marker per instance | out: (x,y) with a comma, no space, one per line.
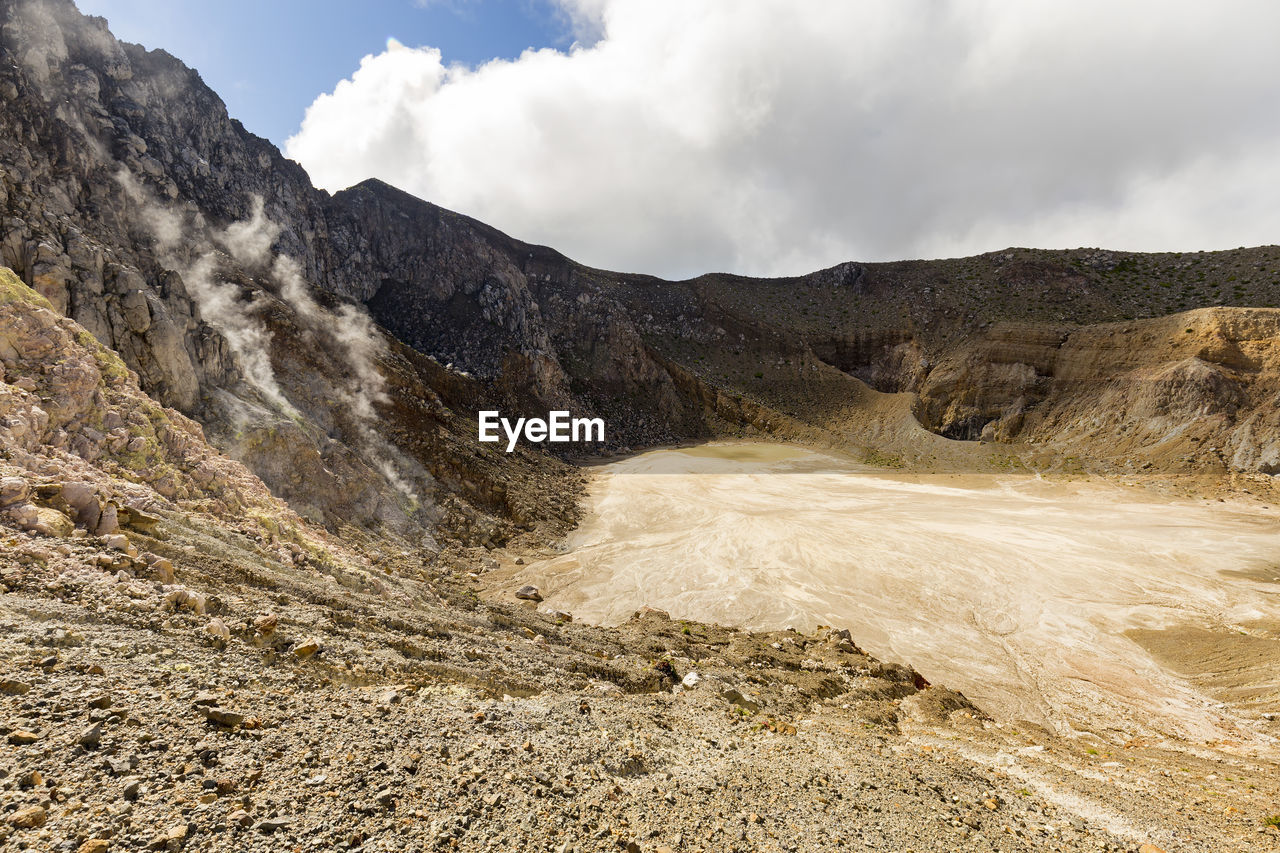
(140,210)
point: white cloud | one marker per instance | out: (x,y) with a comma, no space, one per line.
(774,136)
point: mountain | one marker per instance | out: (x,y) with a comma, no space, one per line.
(125,181)
(244,503)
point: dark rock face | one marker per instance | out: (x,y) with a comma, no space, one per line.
(139,208)
(109,145)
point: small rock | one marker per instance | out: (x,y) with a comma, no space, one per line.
(100,702)
(22,737)
(529,592)
(691,679)
(11,687)
(176,833)
(306,648)
(118,766)
(131,788)
(265,625)
(94,845)
(270,825)
(26,516)
(1149,848)
(218,630)
(221,717)
(117,541)
(735,697)
(185,599)
(91,737)
(162,570)
(31,817)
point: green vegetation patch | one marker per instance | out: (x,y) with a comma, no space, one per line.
(14,289)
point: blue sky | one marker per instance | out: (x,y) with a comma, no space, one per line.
(269,59)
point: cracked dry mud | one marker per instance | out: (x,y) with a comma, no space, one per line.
(1035,597)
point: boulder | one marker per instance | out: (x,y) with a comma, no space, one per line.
(82,500)
(108,521)
(13,490)
(529,592)
(30,817)
(136,519)
(185,599)
(24,515)
(49,522)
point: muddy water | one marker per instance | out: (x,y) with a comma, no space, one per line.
(1014,590)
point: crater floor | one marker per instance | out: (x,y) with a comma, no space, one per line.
(1053,602)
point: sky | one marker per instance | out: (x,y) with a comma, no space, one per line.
(678,137)
(269,59)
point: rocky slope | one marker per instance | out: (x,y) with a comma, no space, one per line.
(140,210)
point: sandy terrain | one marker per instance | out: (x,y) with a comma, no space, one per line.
(1040,600)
